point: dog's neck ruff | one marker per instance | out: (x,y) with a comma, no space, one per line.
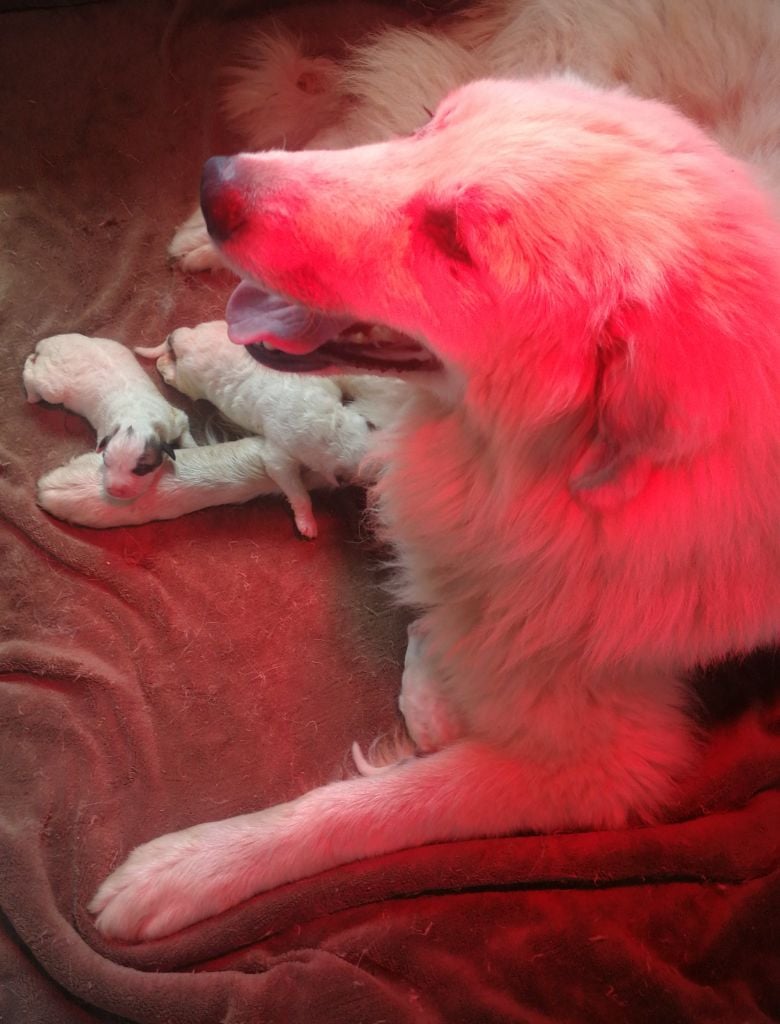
(284,335)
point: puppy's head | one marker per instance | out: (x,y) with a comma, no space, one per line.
(187,360)
(553,246)
(130,462)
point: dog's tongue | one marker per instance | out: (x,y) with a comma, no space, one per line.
(254,315)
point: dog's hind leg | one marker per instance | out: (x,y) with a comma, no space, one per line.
(191,248)
(430,721)
(286,473)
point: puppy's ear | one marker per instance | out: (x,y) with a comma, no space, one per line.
(103,442)
(656,402)
(169,450)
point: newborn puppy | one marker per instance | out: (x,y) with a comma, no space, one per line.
(320,424)
(102,381)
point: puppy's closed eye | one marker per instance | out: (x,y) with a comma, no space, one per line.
(142,468)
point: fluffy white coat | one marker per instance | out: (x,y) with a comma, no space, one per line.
(585,502)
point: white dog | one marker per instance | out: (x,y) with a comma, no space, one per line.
(102,380)
(311,423)
(585,494)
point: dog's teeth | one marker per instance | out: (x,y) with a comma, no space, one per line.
(268,345)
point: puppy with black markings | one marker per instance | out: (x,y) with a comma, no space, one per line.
(102,381)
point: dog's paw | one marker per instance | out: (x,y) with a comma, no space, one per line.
(191,249)
(184,877)
(163,886)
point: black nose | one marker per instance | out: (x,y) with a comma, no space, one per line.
(221,197)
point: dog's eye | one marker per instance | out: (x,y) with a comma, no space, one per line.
(142,468)
(440,225)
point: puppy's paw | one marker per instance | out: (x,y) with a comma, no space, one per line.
(306,523)
(429,720)
(191,249)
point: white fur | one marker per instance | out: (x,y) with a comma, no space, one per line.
(101,380)
(716,60)
(589,504)
(306,421)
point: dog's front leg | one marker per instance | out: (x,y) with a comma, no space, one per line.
(585,756)
(183,877)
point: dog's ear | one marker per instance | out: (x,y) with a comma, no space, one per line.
(615,465)
(103,442)
(656,402)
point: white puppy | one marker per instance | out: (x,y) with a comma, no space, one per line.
(308,423)
(103,381)
(217,474)
(584,497)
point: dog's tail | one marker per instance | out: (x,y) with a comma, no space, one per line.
(278,96)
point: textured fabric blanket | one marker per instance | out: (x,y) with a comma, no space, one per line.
(161,675)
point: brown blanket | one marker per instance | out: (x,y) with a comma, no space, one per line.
(157,676)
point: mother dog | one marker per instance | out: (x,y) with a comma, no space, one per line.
(584,493)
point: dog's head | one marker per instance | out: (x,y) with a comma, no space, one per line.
(554,246)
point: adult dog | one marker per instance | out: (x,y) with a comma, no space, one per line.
(584,491)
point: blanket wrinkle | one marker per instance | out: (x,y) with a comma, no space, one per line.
(156,676)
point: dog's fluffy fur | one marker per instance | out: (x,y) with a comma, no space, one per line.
(585,494)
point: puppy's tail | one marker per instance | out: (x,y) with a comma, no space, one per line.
(152,353)
(278,96)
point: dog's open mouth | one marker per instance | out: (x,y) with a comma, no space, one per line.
(285,335)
